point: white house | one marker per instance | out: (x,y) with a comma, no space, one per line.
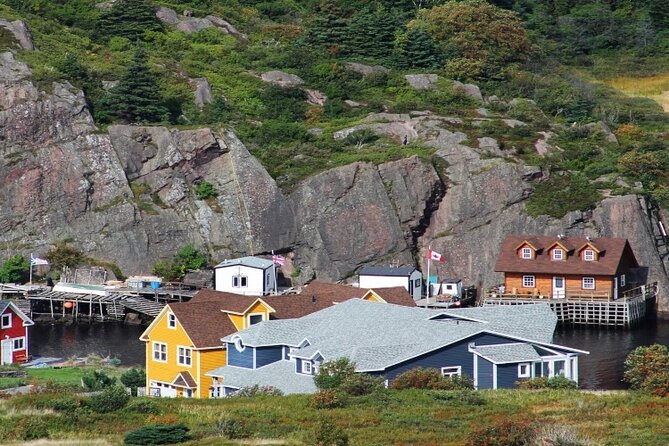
(250,276)
(386,277)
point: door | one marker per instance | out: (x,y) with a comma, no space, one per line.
(6,351)
(558,288)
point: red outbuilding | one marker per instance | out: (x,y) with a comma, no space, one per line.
(14,325)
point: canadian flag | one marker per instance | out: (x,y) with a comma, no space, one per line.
(433,255)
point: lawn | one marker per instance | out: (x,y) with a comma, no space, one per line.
(389,418)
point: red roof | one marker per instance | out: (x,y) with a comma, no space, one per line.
(614,254)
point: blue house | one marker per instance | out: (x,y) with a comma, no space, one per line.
(495,346)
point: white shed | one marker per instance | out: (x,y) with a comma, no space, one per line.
(387,277)
(251,276)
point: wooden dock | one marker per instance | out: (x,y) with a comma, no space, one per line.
(624,312)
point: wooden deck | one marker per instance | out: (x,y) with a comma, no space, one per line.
(585,309)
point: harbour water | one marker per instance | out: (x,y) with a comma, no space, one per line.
(601,369)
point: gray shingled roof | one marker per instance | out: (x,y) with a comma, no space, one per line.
(3,305)
(386,271)
(503,353)
(253,262)
(377,335)
(279,374)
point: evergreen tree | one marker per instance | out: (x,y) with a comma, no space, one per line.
(137,96)
(129,18)
(329,29)
(372,32)
(416,49)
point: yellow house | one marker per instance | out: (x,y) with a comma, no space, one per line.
(184,341)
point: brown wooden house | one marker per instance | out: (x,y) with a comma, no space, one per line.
(559,267)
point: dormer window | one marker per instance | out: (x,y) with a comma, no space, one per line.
(589,255)
(526,253)
(558,254)
(171,321)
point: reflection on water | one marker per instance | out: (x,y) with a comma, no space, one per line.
(105,339)
(601,369)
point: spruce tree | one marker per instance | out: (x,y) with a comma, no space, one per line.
(129,18)
(372,32)
(419,50)
(329,29)
(137,96)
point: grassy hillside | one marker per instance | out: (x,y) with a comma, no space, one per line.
(578,64)
(392,418)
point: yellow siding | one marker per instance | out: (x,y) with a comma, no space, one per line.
(237,320)
(373,297)
(209,360)
(174,338)
(241,321)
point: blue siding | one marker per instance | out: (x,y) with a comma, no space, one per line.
(452,355)
(240,359)
(268,355)
(298,365)
(484,374)
(507,375)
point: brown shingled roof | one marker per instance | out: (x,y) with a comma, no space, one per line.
(612,253)
(185,379)
(230,302)
(397,295)
(204,322)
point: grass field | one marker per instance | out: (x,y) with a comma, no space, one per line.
(66,376)
(410,417)
(654,87)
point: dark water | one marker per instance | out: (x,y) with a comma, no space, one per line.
(602,369)
(105,339)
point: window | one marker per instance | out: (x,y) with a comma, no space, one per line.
(589,255)
(526,253)
(622,280)
(528,282)
(159,352)
(239,345)
(239,281)
(171,321)
(416,283)
(6,321)
(184,356)
(558,254)
(255,318)
(19,343)
(306,368)
(451,371)
(524,370)
(588,283)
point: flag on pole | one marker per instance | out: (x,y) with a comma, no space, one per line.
(433,255)
(278,259)
(37,261)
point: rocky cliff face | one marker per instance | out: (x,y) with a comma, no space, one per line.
(127,195)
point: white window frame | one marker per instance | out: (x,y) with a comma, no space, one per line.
(623,280)
(558,254)
(588,279)
(528,370)
(184,356)
(529,281)
(588,255)
(239,344)
(451,371)
(159,352)
(307,369)
(7,320)
(240,281)
(171,321)
(526,253)
(22,340)
(248,318)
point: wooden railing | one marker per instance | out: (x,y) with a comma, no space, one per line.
(574,294)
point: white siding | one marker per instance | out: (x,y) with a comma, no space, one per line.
(256,279)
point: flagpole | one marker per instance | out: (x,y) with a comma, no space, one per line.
(429,260)
(274,266)
(30,281)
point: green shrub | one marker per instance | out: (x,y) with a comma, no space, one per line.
(467,397)
(647,369)
(361,384)
(256,390)
(504,433)
(205,190)
(555,435)
(153,434)
(562,193)
(328,433)
(332,374)
(326,399)
(430,378)
(66,404)
(232,428)
(32,428)
(557,382)
(143,405)
(97,380)
(15,270)
(134,378)
(109,400)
